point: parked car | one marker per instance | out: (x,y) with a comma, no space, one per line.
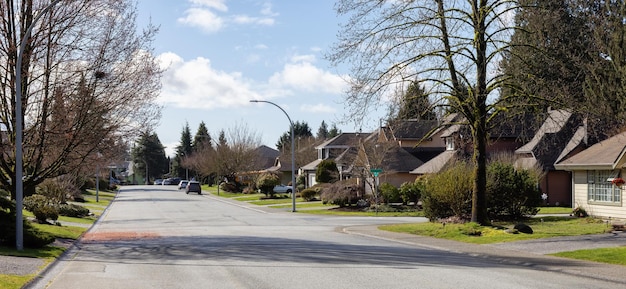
(182,184)
(282,189)
(171,181)
(158,181)
(193,187)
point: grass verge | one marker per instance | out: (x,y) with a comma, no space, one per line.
(49,253)
(545,227)
(605,255)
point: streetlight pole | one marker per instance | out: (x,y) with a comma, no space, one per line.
(293,155)
(19,167)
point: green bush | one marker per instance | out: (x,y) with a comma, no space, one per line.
(448,193)
(342,193)
(411,192)
(389,193)
(42,207)
(512,194)
(33,238)
(266,183)
(73,210)
(308,194)
(327,172)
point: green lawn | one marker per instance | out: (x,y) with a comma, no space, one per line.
(543,228)
(49,253)
(555,210)
(605,255)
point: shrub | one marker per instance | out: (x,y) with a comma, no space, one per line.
(33,238)
(266,183)
(342,193)
(580,212)
(512,193)
(57,190)
(448,193)
(42,207)
(411,192)
(301,182)
(389,193)
(73,210)
(229,187)
(308,194)
(327,172)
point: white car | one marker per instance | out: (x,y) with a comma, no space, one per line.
(282,189)
(182,184)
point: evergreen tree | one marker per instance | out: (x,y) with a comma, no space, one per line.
(334,131)
(202,138)
(149,157)
(322,132)
(183,150)
(300,130)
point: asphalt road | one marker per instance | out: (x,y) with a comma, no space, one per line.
(159,237)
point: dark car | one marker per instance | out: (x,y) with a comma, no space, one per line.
(193,187)
(171,181)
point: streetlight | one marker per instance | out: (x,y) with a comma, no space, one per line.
(293,155)
(19,169)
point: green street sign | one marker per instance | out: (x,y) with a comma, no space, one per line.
(375,172)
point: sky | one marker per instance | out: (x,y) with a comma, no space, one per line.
(220,54)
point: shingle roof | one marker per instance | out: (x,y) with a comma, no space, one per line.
(608,154)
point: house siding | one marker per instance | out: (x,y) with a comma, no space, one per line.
(397,179)
(557,185)
(603,211)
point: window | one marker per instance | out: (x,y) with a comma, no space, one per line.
(600,190)
(450,143)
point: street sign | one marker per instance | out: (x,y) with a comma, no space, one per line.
(375,172)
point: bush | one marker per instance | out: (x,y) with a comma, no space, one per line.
(266,183)
(229,187)
(33,238)
(342,193)
(512,194)
(42,207)
(389,193)
(73,210)
(580,212)
(411,192)
(327,172)
(449,193)
(308,194)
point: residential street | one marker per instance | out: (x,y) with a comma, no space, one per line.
(159,237)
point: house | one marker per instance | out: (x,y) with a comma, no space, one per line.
(456,142)
(593,171)
(561,135)
(341,148)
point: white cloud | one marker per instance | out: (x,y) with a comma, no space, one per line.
(210,16)
(215,4)
(301,74)
(196,84)
(318,108)
(202,18)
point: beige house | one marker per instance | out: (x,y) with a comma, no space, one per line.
(593,171)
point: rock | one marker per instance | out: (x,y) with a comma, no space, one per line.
(523,228)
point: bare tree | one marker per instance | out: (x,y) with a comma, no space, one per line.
(452,49)
(235,153)
(88,80)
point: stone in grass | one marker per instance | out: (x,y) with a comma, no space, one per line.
(523,228)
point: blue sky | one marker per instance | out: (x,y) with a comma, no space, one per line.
(220,54)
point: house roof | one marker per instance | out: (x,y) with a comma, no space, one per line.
(266,157)
(605,155)
(560,134)
(435,164)
(343,140)
(398,159)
